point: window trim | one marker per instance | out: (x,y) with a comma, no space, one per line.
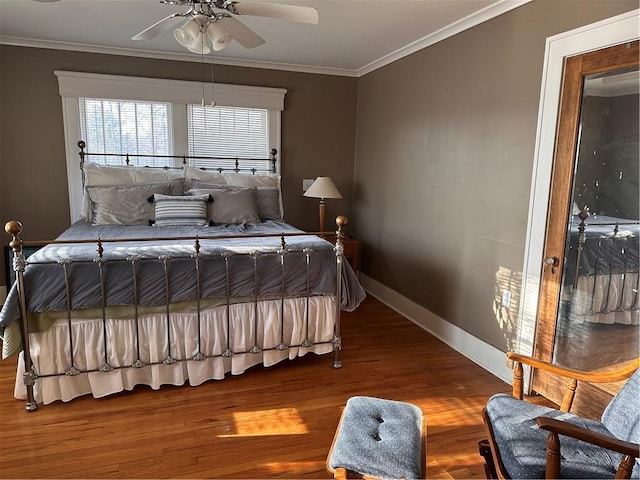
(73,85)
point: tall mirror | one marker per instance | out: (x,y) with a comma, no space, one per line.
(599,310)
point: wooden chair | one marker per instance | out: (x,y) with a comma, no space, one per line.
(574,447)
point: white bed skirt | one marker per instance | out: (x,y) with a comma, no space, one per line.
(616,293)
(50,348)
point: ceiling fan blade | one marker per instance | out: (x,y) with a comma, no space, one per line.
(295,13)
(241,33)
(157,28)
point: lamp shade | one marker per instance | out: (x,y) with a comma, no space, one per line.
(322,187)
(200,45)
(218,36)
(187,34)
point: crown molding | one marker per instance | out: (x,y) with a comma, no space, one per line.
(481,16)
(180,57)
(492,11)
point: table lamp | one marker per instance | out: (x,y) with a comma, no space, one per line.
(322,188)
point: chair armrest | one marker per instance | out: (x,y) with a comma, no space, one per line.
(589,436)
(594,377)
(574,375)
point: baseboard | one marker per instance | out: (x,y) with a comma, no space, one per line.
(481,353)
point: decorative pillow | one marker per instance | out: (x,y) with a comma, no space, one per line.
(268,198)
(182,210)
(124,204)
(175,187)
(269,207)
(231,206)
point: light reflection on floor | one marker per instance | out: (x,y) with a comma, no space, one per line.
(281,421)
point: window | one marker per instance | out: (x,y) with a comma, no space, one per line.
(228,132)
(141,98)
(122,126)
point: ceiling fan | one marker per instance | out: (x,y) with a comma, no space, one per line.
(216,20)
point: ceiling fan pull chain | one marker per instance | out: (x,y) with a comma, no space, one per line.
(202,64)
(213,84)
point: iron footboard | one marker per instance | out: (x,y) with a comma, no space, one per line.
(283,254)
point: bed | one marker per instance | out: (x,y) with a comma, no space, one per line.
(174,275)
(602,270)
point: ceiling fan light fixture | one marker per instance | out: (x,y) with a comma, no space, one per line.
(187,34)
(218,36)
(210,14)
(200,46)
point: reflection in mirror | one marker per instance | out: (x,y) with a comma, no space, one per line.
(607,167)
(599,311)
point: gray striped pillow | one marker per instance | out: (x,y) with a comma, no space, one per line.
(183,210)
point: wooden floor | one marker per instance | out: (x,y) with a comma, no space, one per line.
(275,422)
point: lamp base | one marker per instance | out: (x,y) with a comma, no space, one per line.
(321,213)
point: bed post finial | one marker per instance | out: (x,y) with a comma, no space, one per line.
(341,221)
(274,152)
(14,228)
(82,145)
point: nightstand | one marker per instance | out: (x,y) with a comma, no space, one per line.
(351,250)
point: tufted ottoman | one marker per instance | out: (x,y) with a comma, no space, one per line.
(378,438)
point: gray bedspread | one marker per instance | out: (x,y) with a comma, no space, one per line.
(45,280)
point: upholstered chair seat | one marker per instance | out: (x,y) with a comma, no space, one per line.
(534,441)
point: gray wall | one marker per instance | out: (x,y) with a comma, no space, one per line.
(318,132)
(444,152)
(445,147)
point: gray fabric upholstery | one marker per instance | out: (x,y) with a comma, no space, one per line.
(522,444)
(128,204)
(622,415)
(380,438)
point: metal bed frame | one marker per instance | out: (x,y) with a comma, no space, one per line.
(628,278)
(31,376)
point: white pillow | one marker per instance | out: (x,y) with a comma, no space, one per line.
(146,175)
(575,209)
(95,174)
(208,176)
(248,180)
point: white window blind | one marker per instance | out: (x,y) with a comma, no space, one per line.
(125,126)
(229,132)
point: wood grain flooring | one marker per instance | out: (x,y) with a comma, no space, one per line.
(275,422)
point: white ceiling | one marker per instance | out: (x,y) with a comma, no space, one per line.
(353,37)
